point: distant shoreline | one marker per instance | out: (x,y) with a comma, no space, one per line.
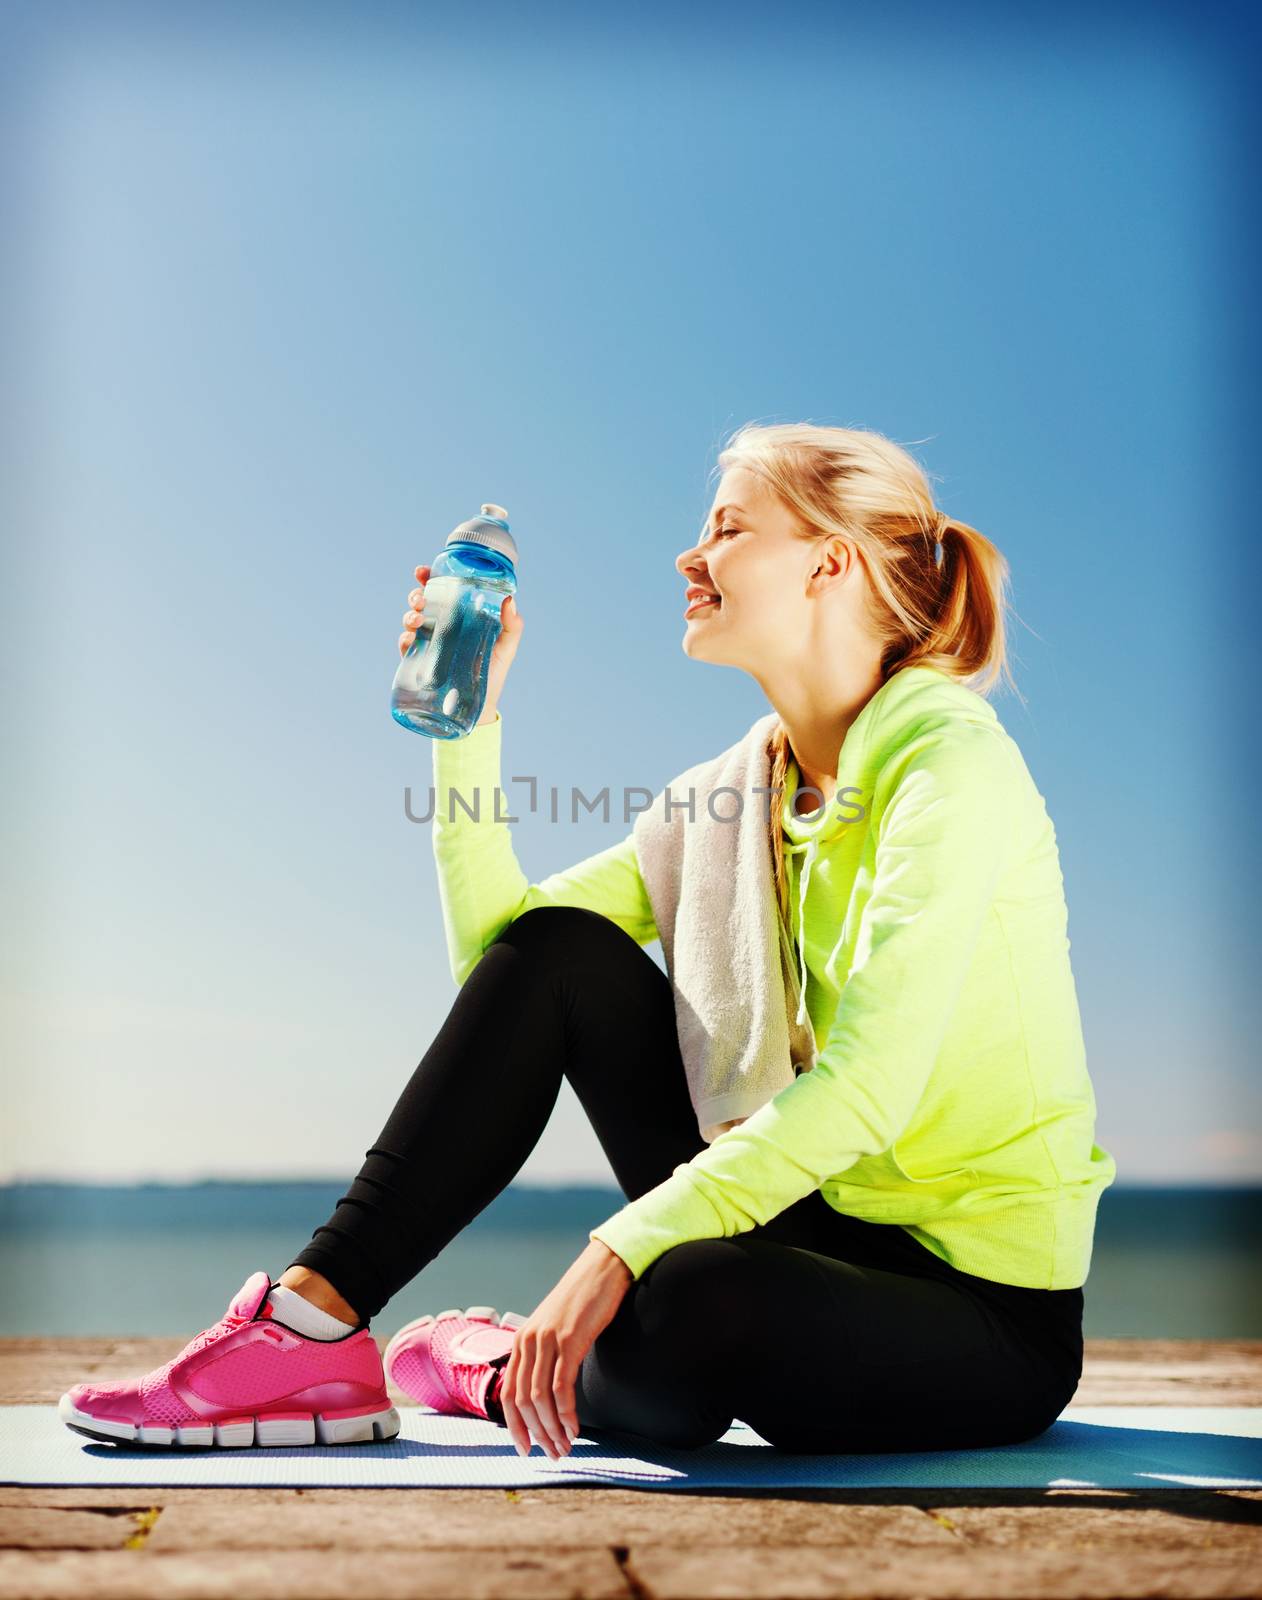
(322,1181)
(1215,1215)
(121,1259)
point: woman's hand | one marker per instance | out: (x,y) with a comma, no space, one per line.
(502,654)
(538,1388)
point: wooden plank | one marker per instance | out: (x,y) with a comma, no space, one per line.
(1051,1542)
(1091,1519)
(548,1518)
(55,1528)
(759,1573)
(1171,1372)
(322,1575)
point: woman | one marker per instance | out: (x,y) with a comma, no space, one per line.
(888,1252)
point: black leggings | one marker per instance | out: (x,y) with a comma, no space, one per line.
(822,1332)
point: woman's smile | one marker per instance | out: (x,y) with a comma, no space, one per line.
(699,599)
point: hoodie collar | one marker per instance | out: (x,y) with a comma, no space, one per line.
(803,837)
(908,695)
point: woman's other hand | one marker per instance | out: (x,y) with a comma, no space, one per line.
(501,655)
(538,1388)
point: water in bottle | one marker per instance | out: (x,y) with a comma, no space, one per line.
(440,687)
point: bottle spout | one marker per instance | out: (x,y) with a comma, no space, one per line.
(489,510)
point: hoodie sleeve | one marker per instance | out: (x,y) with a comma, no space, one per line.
(481,886)
(945,806)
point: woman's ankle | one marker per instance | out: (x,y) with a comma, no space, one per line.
(315,1288)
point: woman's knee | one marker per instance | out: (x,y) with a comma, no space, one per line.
(695,1302)
(659,1370)
(570,933)
(712,1278)
(642,1408)
(600,961)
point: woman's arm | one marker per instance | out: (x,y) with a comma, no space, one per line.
(481,886)
(945,819)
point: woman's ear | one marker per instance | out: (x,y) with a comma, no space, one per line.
(833,561)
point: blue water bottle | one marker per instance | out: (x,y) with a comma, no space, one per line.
(440,687)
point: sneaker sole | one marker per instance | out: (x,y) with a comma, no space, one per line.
(239,1433)
(488,1314)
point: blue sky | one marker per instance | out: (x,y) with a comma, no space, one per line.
(289,299)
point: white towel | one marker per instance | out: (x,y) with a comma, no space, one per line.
(729,954)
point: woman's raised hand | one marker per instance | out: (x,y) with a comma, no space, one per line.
(501,656)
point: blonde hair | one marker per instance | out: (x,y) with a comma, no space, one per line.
(936,586)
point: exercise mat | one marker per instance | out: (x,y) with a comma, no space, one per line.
(1106,1447)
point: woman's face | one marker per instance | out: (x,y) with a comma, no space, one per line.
(757,566)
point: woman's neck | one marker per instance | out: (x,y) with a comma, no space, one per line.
(817,706)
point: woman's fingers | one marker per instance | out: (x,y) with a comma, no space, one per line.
(527,1381)
(530,1389)
(517,1429)
(543,1398)
(566,1401)
(537,1429)
(412,616)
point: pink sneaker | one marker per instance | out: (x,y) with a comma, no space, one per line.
(450,1361)
(249,1380)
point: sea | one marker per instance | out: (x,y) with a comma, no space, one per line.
(100,1261)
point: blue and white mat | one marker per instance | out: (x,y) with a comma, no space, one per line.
(1105,1447)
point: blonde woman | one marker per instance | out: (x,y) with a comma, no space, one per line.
(888,1253)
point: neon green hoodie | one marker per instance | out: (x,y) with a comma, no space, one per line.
(951,1095)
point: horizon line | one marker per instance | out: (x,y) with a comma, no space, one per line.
(31,1181)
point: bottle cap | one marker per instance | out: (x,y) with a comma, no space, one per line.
(489,529)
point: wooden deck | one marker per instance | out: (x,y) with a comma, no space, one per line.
(641,1544)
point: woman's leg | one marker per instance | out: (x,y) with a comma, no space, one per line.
(563,992)
(814,1352)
